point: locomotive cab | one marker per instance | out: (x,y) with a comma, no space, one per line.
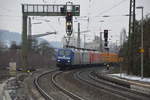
(64,57)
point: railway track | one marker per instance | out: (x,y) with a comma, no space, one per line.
(39,88)
(115,89)
(125,85)
(60,92)
(49,85)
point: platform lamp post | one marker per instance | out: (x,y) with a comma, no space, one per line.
(101,44)
(85,35)
(142,49)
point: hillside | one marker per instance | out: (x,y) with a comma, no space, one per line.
(7,37)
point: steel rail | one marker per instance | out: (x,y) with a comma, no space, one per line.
(120,87)
(119,83)
(70,94)
(109,87)
(78,77)
(42,92)
(48,97)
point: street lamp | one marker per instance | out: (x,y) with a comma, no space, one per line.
(142,50)
(100,37)
(85,35)
(117,46)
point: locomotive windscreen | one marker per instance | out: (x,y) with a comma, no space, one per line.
(64,52)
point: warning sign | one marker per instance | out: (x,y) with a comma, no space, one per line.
(141,50)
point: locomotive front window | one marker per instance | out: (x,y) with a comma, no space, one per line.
(61,53)
(67,53)
(64,53)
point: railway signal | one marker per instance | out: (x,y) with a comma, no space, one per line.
(105,44)
(105,34)
(69,24)
(69,17)
(106,38)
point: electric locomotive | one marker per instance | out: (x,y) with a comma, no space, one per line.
(64,57)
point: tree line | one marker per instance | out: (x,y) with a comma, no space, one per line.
(40,54)
(130,50)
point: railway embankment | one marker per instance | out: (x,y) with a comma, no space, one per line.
(14,88)
(129,81)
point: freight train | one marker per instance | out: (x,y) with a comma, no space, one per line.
(67,57)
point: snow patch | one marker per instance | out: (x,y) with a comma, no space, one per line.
(131,77)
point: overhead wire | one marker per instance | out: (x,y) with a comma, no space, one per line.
(8,10)
(51,26)
(111,8)
(59,23)
(10,16)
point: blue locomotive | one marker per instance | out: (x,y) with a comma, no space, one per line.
(64,57)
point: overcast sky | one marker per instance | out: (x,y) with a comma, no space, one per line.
(11,17)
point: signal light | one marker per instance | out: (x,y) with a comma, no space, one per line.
(69,25)
(77,8)
(69,14)
(105,39)
(105,33)
(69,17)
(105,44)
(69,28)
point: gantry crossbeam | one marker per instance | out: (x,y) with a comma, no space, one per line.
(48,10)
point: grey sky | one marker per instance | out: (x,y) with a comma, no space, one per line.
(11,17)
